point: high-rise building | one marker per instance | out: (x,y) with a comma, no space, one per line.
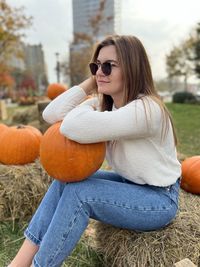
(35,64)
(106,13)
(92,21)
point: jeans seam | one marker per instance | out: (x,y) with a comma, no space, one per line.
(65,235)
(129,207)
(82,202)
(31,237)
(35,263)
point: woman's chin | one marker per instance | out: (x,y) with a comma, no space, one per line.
(102,91)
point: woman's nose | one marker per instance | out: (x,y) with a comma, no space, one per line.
(99,71)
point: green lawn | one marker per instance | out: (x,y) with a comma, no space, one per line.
(187,123)
(11,239)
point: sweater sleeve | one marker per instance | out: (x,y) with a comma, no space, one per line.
(135,120)
(61,105)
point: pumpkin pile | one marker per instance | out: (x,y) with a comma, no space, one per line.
(66,160)
(55,89)
(61,158)
(19,144)
(190,181)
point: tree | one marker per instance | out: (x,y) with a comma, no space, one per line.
(7,82)
(12,23)
(162,85)
(197,51)
(78,67)
(28,82)
(179,62)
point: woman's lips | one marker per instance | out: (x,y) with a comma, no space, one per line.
(100,81)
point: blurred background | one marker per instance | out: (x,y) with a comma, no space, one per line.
(49,41)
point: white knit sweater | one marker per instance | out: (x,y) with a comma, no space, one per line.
(135,149)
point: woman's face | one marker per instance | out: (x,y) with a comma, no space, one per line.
(112,84)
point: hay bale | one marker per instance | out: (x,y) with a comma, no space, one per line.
(26,115)
(21,190)
(162,248)
(35,124)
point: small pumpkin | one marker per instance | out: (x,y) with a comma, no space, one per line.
(55,89)
(66,160)
(190,181)
(19,145)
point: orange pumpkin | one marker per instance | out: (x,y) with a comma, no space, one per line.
(66,160)
(37,133)
(3,127)
(19,145)
(55,89)
(190,181)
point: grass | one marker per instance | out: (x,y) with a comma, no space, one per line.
(187,122)
(12,238)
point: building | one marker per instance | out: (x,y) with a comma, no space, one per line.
(17,63)
(92,21)
(106,13)
(35,65)
(29,68)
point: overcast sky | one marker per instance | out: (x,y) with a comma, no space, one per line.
(158,24)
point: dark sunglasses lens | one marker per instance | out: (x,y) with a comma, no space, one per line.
(106,68)
(93,68)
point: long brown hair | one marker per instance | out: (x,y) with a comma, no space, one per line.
(137,75)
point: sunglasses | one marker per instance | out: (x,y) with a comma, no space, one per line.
(106,67)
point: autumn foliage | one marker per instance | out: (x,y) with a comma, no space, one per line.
(12,23)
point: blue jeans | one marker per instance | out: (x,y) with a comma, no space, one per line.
(65,210)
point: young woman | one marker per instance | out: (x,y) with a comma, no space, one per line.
(141,191)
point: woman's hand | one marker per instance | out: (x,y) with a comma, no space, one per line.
(89,85)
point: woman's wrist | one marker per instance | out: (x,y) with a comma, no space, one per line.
(88,85)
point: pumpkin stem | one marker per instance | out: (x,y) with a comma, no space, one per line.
(21,126)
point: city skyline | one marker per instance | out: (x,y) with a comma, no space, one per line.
(158,25)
